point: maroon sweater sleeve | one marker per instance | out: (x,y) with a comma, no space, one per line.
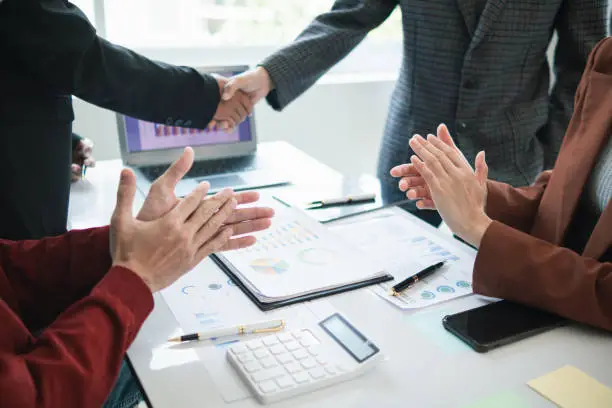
(76,359)
(48,275)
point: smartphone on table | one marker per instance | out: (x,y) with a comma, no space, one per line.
(496,324)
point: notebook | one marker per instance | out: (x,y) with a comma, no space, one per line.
(298,259)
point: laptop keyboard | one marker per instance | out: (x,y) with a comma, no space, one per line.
(206,168)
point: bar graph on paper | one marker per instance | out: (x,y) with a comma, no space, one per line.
(281,237)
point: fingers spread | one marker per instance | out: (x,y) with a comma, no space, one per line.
(426,172)
(440,155)
(247,197)
(177,170)
(453,154)
(249,227)
(188,205)
(125,194)
(445,135)
(426,204)
(406,182)
(252,213)
(418,144)
(211,216)
(403,170)
(239,243)
(215,244)
(482,169)
(418,193)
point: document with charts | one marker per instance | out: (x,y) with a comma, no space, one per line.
(297,257)
(404,246)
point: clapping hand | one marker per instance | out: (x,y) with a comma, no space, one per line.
(170,236)
(161,199)
(439,177)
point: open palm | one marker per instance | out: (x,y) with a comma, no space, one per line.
(161,199)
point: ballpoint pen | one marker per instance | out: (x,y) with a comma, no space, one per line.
(360,198)
(270,326)
(410,281)
(83,171)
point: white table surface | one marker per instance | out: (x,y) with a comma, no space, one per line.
(425,366)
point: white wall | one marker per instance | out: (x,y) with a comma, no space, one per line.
(339,121)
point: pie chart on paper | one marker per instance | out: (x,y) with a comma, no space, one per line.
(270,266)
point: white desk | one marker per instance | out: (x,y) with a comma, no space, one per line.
(426,367)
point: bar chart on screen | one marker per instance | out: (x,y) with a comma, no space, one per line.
(160,136)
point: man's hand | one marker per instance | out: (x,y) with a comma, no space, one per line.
(162,199)
(256,83)
(162,250)
(82,156)
(231,111)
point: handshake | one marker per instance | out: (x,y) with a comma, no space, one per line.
(239,95)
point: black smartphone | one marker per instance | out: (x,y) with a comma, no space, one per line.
(496,324)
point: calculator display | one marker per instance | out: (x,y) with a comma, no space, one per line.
(349,338)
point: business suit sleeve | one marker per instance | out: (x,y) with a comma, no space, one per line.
(580,25)
(544,276)
(327,40)
(516,207)
(59,48)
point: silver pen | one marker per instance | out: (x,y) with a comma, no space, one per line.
(351,199)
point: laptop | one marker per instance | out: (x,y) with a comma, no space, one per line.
(221,158)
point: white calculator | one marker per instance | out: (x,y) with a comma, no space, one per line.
(284,365)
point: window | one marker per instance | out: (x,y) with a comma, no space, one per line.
(214,23)
(226,31)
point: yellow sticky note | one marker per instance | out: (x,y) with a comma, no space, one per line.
(568,387)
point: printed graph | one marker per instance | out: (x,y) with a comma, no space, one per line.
(283,236)
(445,289)
(427,295)
(463,284)
(433,251)
(270,266)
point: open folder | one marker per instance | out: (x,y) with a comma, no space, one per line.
(298,259)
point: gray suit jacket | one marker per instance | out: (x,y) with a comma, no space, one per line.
(478,66)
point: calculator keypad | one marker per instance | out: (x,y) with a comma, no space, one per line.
(279,363)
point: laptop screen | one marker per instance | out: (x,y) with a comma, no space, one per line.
(144,136)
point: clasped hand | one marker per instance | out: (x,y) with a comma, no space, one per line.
(231,111)
(238,96)
(439,177)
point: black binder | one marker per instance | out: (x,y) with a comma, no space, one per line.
(265,306)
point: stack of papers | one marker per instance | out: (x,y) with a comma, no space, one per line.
(298,257)
(404,245)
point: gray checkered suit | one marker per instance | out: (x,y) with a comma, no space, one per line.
(477,65)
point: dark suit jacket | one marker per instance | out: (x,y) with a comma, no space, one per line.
(521,256)
(477,65)
(49,52)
